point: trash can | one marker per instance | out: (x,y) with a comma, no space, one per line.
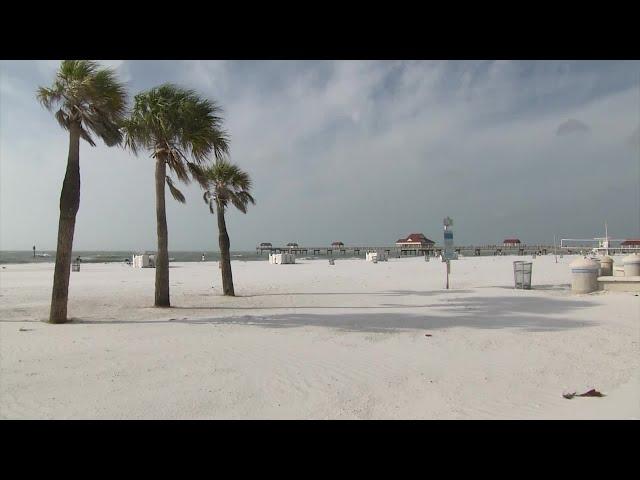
(606,266)
(75,267)
(597,260)
(584,275)
(522,274)
(631,265)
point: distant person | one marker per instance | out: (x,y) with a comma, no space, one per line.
(203,257)
(34,251)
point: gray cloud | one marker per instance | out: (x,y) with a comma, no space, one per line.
(352,151)
(572,126)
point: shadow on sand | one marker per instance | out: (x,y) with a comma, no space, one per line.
(558,288)
(527,313)
(391,293)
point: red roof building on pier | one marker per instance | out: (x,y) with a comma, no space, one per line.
(634,242)
(511,242)
(415,240)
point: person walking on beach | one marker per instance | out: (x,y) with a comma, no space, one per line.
(203,257)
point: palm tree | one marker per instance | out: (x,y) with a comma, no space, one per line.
(88,100)
(181,130)
(224,183)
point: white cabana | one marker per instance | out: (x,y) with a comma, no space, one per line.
(377,256)
(143,260)
(282,258)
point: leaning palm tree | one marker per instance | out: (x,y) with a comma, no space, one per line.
(88,100)
(226,183)
(181,130)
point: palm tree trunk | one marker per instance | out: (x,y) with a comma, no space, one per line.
(225,255)
(69,204)
(162,255)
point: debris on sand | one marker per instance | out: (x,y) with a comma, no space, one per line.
(428,335)
(591,393)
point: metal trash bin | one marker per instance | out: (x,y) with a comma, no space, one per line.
(522,274)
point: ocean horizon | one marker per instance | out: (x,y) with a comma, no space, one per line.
(119,256)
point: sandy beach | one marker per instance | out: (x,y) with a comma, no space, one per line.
(314,341)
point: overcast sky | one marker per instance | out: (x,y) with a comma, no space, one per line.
(362,152)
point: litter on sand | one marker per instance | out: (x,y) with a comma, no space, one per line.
(591,393)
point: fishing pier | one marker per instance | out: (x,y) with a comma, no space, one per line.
(402,251)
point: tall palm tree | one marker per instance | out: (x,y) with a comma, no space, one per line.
(180,129)
(88,100)
(226,183)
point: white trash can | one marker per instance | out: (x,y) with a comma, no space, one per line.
(584,275)
(631,265)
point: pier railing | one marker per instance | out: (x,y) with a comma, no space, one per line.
(434,250)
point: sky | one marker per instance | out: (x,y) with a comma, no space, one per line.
(362,152)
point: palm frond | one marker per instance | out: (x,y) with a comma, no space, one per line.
(177,194)
(238,203)
(178,167)
(86,136)
(197,173)
(49,97)
(246,198)
(209,199)
(62,118)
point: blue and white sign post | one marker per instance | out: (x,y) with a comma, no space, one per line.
(448,254)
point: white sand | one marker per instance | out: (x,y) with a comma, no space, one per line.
(317,341)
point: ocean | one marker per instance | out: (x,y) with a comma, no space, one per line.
(105,256)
